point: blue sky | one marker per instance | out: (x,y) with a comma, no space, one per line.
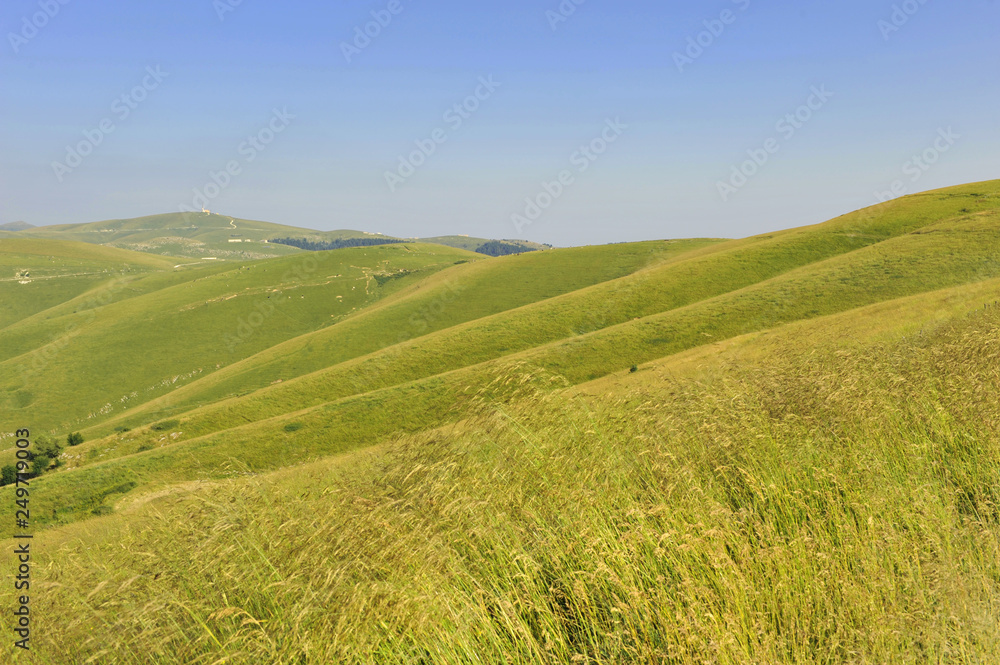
(558,81)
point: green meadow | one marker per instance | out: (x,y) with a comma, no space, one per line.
(197,235)
(777,449)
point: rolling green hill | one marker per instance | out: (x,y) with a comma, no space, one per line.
(140,342)
(597,454)
(716,292)
(36,275)
(194,235)
(462,294)
(412,512)
(15,226)
(412,356)
(204,235)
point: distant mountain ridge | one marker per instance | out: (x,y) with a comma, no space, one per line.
(16,226)
(212,235)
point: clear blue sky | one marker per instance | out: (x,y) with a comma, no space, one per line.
(559,85)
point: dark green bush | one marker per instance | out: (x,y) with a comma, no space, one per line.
(164,425)
(39,465)
(45,446)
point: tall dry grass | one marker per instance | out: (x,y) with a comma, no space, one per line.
(826,506)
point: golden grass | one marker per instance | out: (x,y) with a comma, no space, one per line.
(826,504)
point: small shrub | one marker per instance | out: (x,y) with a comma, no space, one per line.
(164,425)
(74,439)
(8,475)
(122,428)
(144,447)
(102,510)
(39,465)
(47,447)
(634,368)
(383,279)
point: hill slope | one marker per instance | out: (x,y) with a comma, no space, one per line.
(414,371)
(710,294)
(754,488)
(15,226)
(462,441)
(140,341)
(205,234)
(36,275)
(195,235)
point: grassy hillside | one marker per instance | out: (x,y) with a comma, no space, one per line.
(774,449)
(757,491)
(360,402)
(203,234)
(720,291)
(15,226)
(194,235)
(417,383)
(95,361)
(221,440)
(36,275)
(462,294)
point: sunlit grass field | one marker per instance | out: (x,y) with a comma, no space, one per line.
(423,383)
(130,347)
(833,503)
(781,449)
(37,275)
